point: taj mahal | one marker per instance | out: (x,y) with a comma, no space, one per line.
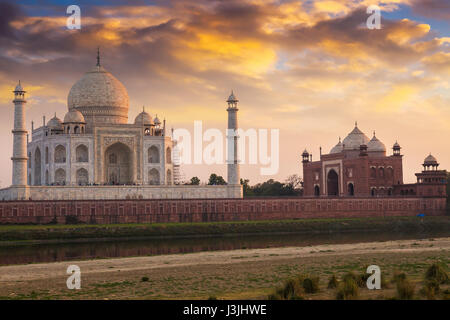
(95,153)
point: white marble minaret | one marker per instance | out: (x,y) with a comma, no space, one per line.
(232,156)
(19,158)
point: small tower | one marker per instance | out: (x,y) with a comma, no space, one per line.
(396,148)
(19,158)
(305,156)
(232,138)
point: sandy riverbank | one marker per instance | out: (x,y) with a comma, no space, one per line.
(171,276)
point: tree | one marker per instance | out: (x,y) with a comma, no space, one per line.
(272,188)
(195,181)
(246,188)
(295,181)
(214,179)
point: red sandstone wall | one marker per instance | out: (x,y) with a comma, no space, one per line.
(203,210)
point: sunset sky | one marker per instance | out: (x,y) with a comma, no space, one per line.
(308,68)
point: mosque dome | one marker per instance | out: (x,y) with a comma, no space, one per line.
(337,148)
(376,145)
(430,160)
(55,123)
(74,116)
(354,139)
(100,97)
(396,145)
(143,118)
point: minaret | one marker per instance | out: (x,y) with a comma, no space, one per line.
(19,158)
(232,156)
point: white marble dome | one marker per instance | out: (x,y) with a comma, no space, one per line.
(100,97)
(143,118)
(337,148)
(55,123)
(74,116)
(376,145)
(355,139)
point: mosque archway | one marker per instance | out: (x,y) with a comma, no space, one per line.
(316,191)
(37,167)
(351,189)
(118,164)
(333,183)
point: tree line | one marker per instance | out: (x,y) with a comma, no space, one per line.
(292,186)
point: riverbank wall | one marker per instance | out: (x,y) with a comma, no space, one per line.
(213,210)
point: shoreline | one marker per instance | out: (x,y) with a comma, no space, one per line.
(42,234)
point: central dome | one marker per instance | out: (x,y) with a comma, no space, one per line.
(100,97)
(355,139)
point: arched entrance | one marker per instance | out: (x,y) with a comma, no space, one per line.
(317,191)
(333,183)
(351,189)
(118,164)
(82,177)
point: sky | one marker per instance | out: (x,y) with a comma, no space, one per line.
(308,68)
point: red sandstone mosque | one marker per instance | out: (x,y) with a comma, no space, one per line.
(359,167)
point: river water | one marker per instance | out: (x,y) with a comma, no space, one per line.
(51,252)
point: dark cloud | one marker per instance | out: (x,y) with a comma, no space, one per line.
(436,9)
(8,13)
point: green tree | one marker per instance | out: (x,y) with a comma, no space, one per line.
(246,188)
(214,179)
(195,181)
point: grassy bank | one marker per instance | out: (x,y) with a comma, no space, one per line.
(313,226)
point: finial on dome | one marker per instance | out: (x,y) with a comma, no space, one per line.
(98,56)
(339,139)
(356,123)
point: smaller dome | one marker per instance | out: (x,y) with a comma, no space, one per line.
(355,139)
(430,160)
(74,116)
(156,120)
(396,145)
(143,118)
(55,123)
(305,153)
(337,148)
(376,145)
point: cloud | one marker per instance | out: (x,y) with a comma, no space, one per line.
(310,68)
